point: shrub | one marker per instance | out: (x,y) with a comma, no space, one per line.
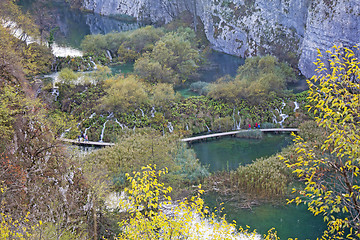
(200,87)
(252,134)
(267,178)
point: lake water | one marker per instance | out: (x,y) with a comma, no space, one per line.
(290,221)
(223,154)
(228,153)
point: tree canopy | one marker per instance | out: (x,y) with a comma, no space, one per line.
(259,79)
(330,168)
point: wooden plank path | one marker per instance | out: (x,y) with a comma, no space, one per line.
(214,135)
(84,143)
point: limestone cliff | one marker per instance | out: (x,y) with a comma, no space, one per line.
(289,29)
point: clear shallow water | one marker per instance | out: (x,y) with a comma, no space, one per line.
(228,153)
(288,220)
(219,65)
(122,68)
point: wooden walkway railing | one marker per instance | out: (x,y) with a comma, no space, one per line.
(86,143)
(214,135)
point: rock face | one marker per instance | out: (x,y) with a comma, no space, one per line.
(289,29)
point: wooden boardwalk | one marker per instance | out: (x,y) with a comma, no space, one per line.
(197,138)
(215,135)
(86,143)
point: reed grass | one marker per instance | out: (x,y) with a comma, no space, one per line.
(265,178)
(250,134)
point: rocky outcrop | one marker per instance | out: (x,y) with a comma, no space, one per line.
(329,22)
(289,29)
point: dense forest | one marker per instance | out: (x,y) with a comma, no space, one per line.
(149,184)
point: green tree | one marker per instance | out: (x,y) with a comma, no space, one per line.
(163,95)
(153,72)
(67,76)
(330,169)
(143,39)
(174,55)
(150,147)
(123,93)
(94,44)
(259,79)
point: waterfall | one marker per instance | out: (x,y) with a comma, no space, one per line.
(207,128)
(236,124)
(108,53)
(102,131)
(282,115)
(170,127)
(56,67)
(142,112)
(63,134)
(92,115)
(55,92)
(86,129)
(93,63)
(187,127)
(153,111)
(120,124)
(110,115)
(233,115)
(296,106)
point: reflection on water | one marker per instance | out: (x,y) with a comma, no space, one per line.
(228,153)
(288,220)
(220,64)
(72,25)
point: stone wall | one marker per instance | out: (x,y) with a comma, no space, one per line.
(289,29)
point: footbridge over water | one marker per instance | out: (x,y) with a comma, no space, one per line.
(191,139)
(232,133)
(86,143)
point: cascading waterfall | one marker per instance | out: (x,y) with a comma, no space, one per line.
(142,112)
(55,92)
(86,129)
(120,124)
(233,115)
(187,127)
(296,106)
(153,111)
(236,124)
(102,131)
(108,53)
(282,115)
(207,128)
(93,63)
(110,115)
(170,127)
(63,134)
